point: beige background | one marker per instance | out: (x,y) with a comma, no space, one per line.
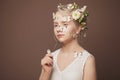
(26,32)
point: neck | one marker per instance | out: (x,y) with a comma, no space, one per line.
(71,46)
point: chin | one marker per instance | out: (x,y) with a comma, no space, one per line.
(63,41)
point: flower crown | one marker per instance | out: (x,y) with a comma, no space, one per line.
(78,14)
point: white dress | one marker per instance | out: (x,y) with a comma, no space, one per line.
(73,71)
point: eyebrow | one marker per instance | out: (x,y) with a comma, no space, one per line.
(55,22)
(64,21)
(61,22)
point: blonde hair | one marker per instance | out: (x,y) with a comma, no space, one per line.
(69,9)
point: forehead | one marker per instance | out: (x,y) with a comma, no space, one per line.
(62,17)
(61,12)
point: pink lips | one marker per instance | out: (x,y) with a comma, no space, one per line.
(60,35)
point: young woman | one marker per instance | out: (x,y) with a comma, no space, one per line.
(71,61)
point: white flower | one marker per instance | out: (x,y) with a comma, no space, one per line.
(76,14)
(66,18)
(83,9)
(48,51)
(70,6)
(64,29)
(59,6)
(54,15)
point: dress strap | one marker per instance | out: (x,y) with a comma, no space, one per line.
(55,53)
(84,57)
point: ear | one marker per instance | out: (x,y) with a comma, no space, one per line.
(78,29)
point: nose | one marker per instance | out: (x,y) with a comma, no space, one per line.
(59,29)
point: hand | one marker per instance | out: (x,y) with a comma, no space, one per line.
(47,62)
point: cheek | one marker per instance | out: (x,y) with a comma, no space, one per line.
(65,29)
(54,31)
(70,30)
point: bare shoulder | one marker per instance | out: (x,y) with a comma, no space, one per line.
(90,59)
(90,62)
(90,68)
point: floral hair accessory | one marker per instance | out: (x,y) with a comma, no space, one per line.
(64,18)
(77,14)
(54,17)
(80,14)
(70,6)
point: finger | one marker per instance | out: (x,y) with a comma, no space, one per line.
(48,62)
(49,55)
(48,59)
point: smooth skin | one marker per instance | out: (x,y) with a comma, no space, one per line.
(69,45)
(47,66)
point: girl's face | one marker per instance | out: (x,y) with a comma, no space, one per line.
(64,28)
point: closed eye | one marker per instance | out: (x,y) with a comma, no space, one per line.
(65,24)
(55,25)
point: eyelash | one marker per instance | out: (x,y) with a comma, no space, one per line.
(65,24)
(55,25)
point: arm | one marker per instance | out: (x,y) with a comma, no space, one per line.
(45,75)
(47,66)
(90,69)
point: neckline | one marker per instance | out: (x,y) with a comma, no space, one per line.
(70,64)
